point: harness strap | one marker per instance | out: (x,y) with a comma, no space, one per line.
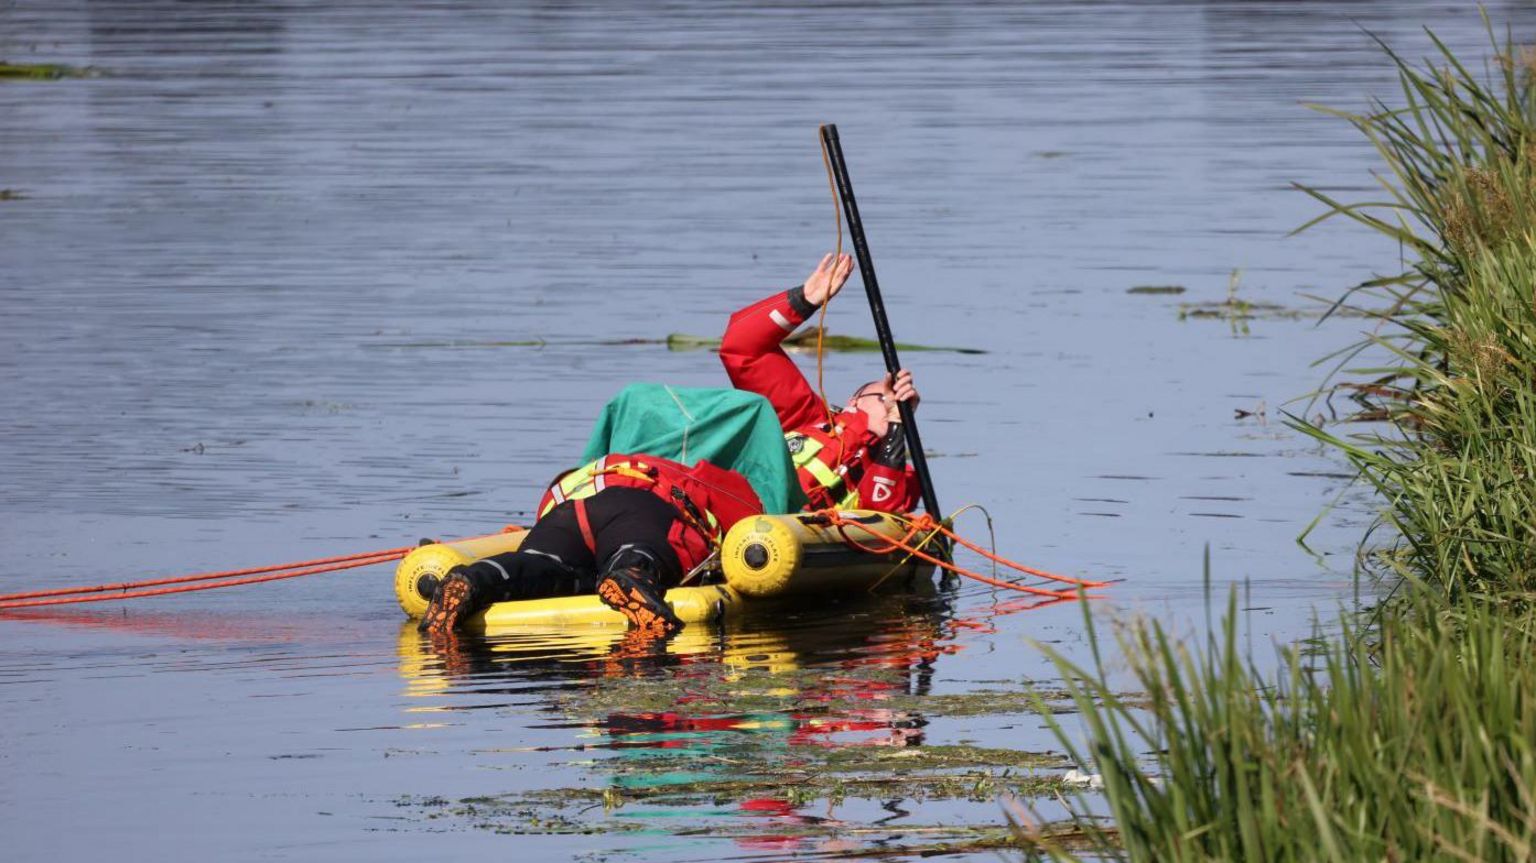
(828,481)
(580,504)
(644,472)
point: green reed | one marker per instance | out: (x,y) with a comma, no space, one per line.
(1454,399)
(1411,736)
(1414,739)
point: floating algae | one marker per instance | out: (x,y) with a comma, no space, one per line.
(693,782)
(43,71)
(673,342)
(692,773)
(1243,310)
(1238,311)
(806,341)
(1156,289)
(771,741)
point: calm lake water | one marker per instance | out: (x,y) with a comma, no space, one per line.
(256,291)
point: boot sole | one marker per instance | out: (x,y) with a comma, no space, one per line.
(444,615)
(636,609)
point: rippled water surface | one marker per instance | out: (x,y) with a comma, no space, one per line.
(283,280)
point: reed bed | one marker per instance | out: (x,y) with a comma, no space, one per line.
(1409,735)
(1452,445)
(1411,740)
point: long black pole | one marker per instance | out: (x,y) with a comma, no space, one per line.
(882,326)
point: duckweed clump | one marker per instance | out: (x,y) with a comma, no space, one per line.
(789,740)
(42,71)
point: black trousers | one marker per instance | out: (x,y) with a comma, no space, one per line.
(629,529)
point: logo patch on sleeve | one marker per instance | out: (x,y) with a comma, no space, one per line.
(885,489)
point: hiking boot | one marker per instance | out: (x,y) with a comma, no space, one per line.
(453,601)
(632,595)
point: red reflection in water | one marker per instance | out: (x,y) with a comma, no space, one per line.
(188,625)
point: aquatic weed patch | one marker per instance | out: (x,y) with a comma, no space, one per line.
(732,792)
(1238,311)
(558,813)
(799,343)
(788,752)
(806,342)
(43,71)
(698,776)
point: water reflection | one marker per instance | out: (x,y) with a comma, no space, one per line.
(810,720)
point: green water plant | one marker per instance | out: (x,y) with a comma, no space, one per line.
(806,341)
(41,71)
(1413,738)
(1447,377)
(1409,734)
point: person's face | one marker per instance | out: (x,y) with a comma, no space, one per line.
(874,399)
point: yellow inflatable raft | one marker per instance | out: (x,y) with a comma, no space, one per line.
(763,557)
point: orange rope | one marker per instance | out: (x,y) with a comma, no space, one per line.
(837,254)
(821,320)
(189,583)
(389,553)
(926,524)
(1011,564)
(188,588)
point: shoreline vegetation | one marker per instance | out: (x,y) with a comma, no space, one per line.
(1408,733)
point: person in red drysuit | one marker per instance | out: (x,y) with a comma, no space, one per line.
(625,527)
(854,457)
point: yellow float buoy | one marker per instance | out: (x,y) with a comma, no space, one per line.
(417,574)
(796,555)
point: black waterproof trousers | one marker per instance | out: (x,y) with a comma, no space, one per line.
(629,530)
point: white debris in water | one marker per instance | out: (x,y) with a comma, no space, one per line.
(1096,780)
(1083,780)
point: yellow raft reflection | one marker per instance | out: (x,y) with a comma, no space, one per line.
(430,670)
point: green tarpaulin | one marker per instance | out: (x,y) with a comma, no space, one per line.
(728,428)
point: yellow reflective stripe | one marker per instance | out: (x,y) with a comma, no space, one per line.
(574,483)
(809,447)
(584,481)
(823,474)
(806,459)
(588,480)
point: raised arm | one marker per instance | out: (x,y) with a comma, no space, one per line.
(752,353)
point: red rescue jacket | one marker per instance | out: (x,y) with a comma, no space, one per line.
(708,499)
(847,476)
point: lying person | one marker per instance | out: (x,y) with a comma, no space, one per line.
(625,527)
